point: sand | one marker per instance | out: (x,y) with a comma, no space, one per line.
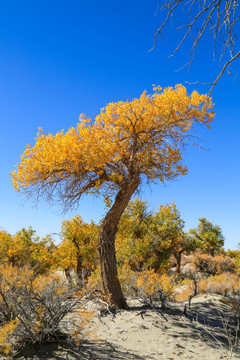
(146,333)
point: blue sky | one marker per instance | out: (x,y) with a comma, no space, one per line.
(59,59)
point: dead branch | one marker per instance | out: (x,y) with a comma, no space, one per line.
(217,18)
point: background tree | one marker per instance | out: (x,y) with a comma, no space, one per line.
(209,236)
(146,240)
(5,245)
(135,220)
(168,237)
(184,244)
(78,249)
(218,19)
(128,143)
(132,241)
(26,248)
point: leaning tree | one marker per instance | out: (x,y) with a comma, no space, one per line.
(127,143)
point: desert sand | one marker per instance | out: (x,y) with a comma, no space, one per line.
(145,332)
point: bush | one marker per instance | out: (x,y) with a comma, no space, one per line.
(127,278)
(154,287)
(183,290)
(214,265)
(33,308)
(224,284)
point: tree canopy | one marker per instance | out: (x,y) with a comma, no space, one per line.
(209,236)
(142,137)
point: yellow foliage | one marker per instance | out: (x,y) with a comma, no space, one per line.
(26,249)
(144,135)
(94,280)
(78,249)
(83,326)
(150,284)
(5,332)
(223,284)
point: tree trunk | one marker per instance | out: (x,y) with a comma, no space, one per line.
(107,235)
(178,257)
(79,271)
(212,252)
(69,277)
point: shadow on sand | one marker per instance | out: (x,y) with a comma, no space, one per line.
(88,350)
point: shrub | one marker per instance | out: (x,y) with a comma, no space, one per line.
(33,308)
(154,287)
(127,278)
(183,290)
(225,284)
(214,265)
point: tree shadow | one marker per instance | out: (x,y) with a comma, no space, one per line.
(88,350)
(208,321)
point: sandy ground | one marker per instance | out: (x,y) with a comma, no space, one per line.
(147,333)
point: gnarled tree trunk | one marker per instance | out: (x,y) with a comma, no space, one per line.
(107,235)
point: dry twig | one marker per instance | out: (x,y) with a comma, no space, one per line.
(219,18)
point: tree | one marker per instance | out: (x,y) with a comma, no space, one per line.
(132,241)
(168,237)
(184,244)
(5,245)
(219,19)
(26,248)
(128,143)
(135,220)
(78,250)
(209,236)
(146,240)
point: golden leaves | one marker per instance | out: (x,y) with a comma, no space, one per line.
(143,136)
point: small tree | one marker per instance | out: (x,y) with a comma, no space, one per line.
(133,242)
(184,244)
(26,248)
(168,236)
(209,236)
(78,249)
(147,240)
(135,220)
(128,142)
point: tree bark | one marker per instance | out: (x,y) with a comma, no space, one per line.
(106,247)
(210,251)
(69,277)
(79,269)
(178,257)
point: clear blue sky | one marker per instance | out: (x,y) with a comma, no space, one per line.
(61,58)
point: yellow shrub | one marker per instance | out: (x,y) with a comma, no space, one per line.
(127,278)
(183,290)
(223,284)
(5,336)
(155,286)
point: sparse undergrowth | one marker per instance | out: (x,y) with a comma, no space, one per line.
(33,309)
(36,308)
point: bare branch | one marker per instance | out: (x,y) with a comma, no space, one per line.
(217,18)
